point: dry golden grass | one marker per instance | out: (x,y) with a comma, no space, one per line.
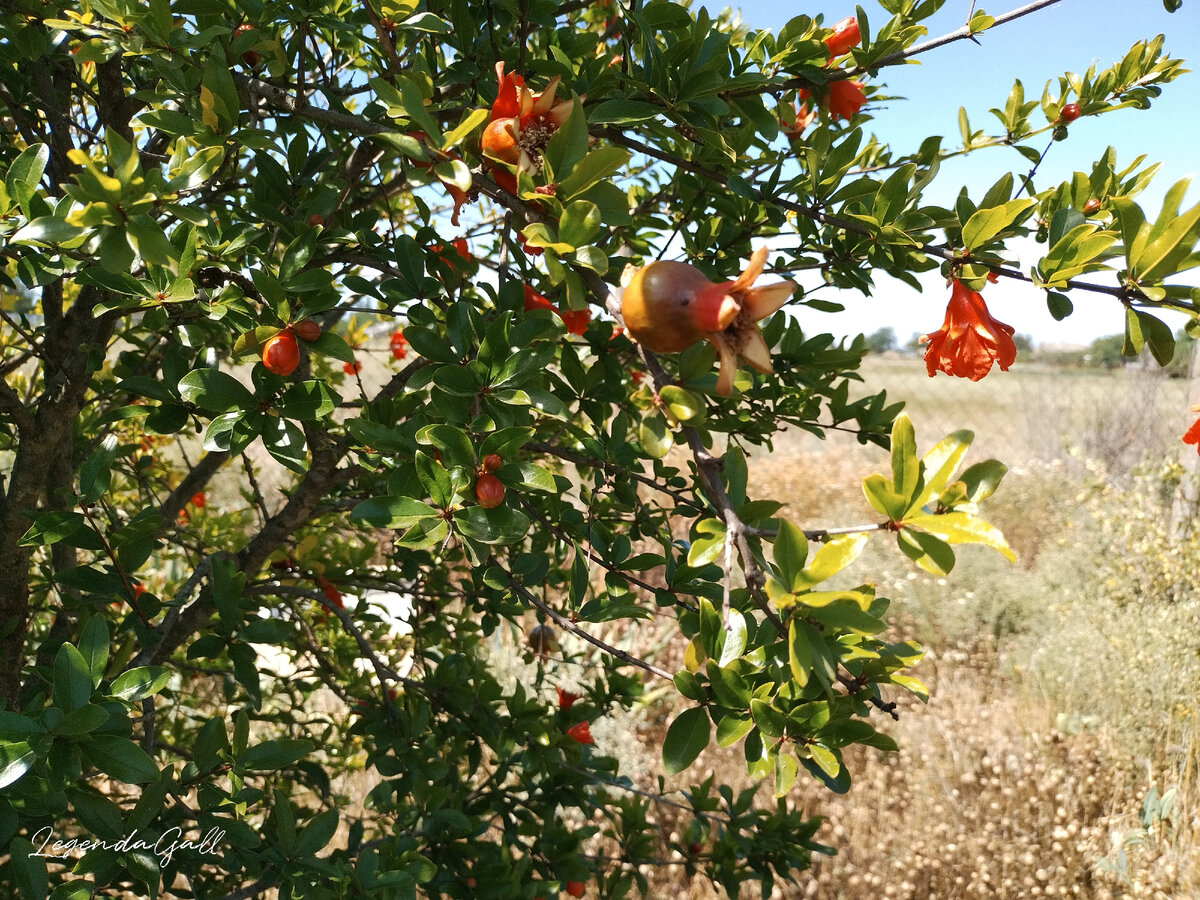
(1044,764)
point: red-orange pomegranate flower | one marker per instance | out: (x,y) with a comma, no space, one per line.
(804,117)
(1192,435)
(521,125)
(332,594)
(565,699)
(970,340)
(845,99)
(576,320)
(845,34)
(581,733)
(399,344)
(842,98)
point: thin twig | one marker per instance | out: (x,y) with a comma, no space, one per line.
(707,466)
(567,625)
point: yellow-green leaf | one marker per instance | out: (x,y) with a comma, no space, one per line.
(834,556)
(964,528)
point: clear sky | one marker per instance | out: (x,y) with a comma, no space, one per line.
(1066,37)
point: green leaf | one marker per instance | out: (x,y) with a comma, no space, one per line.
(308,401)
(21,180)
(939,464)
(735,638)
(95,474)
(985,224)
(685,740)
(72,679)
(831,558)
(16,758)
(214,391)
(910,684)
(879,493)
(1060,305)
(707,546)
(580,222)
(847,616)
(453,444)
(622,112)
(502,525)
(569,144)
(770,721)
(30,878)
(786,770)
(52,527)
(93,647)
(272,755)
(84,720)
(791,553)
(122,759)
(929,552)
(710,627)
(1170,243)
(826,759)
(654,436)
(46,230)
(982,479)
(219,103)
(1157,334)
(684,405)
(597,165)
(906,467)
(470,122)
(732,729)
(392,512)
(800,655)
(317,833)
(963,528)
(333,345)
(136,684)
(147,237)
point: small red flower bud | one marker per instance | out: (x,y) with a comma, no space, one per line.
(492,462)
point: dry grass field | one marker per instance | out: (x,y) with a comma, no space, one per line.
(1058,754)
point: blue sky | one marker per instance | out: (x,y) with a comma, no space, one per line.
(1066,37)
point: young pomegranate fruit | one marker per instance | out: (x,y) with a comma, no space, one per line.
(668,306)
(281,353)
(489,491)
